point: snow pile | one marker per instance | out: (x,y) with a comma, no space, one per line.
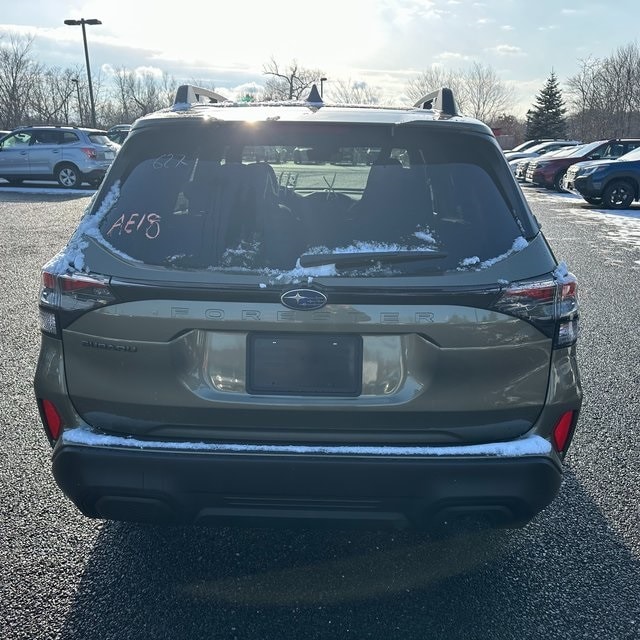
(519,244)
(360,246)
(527,446)
(72,257)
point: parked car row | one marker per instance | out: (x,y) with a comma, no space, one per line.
(70,155)
(540,149)
(519,166)
(604,172)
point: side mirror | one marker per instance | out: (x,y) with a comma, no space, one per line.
(594,156)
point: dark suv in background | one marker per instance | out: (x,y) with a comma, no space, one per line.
(69,155)
(549,172)
(611,184)
(386,341)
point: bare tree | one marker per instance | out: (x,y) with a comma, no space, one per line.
(619,77)
(352,92)
(138,93)
(291,82)
(432,79)
(605,95)
(478,90)
(53,95)
(583,100)
(484,95)
(18,72)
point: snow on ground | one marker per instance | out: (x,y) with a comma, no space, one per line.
(623,224)
(47,190)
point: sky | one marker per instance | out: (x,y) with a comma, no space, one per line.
(384,43)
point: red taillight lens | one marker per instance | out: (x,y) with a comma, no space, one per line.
(550,304)
(70,292)
(74,291)
(90,153)
(530,299)
(562,431)
(52,419)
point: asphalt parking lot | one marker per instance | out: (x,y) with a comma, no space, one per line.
(572,573)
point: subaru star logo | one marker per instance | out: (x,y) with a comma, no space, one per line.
(303,299)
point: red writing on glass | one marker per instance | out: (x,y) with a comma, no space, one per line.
(147,223)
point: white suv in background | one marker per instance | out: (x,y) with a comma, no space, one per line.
(70,155)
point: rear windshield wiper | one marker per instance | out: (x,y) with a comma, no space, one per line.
(367,257)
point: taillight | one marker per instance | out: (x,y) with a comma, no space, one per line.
(51,419)
(90,153)
(550,304)
(562,432)
(70,292)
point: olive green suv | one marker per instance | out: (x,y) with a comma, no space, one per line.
(380,335)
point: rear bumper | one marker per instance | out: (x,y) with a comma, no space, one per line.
(109,477)
(95,174)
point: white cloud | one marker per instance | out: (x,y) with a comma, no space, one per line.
(507,27)
(506,50)
(452,55)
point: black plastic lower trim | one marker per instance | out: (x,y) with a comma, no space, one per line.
(303,489)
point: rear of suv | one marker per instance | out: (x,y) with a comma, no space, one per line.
(70,155)
(388,341)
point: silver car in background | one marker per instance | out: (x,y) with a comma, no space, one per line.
(70,155)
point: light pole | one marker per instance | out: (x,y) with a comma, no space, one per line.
(77,83)
(322,81)
(82,22)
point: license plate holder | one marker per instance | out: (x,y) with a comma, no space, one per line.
(304,364)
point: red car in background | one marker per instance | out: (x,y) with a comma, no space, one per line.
(548,172)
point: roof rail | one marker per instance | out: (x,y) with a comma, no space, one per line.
(441,100)
(190,94)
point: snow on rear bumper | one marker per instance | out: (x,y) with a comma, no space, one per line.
(527,446)
(118,478)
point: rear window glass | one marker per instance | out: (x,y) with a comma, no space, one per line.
(69,137)
(99,138)
(284,197)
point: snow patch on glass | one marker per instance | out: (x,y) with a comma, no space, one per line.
(72,258)
(519,244)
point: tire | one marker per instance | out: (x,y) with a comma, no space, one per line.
(618,195)
(68,176)
(557,181)
(594,201)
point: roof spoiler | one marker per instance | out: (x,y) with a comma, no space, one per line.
(190,94)
(441,100)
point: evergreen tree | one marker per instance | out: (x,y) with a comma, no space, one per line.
(547,118)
